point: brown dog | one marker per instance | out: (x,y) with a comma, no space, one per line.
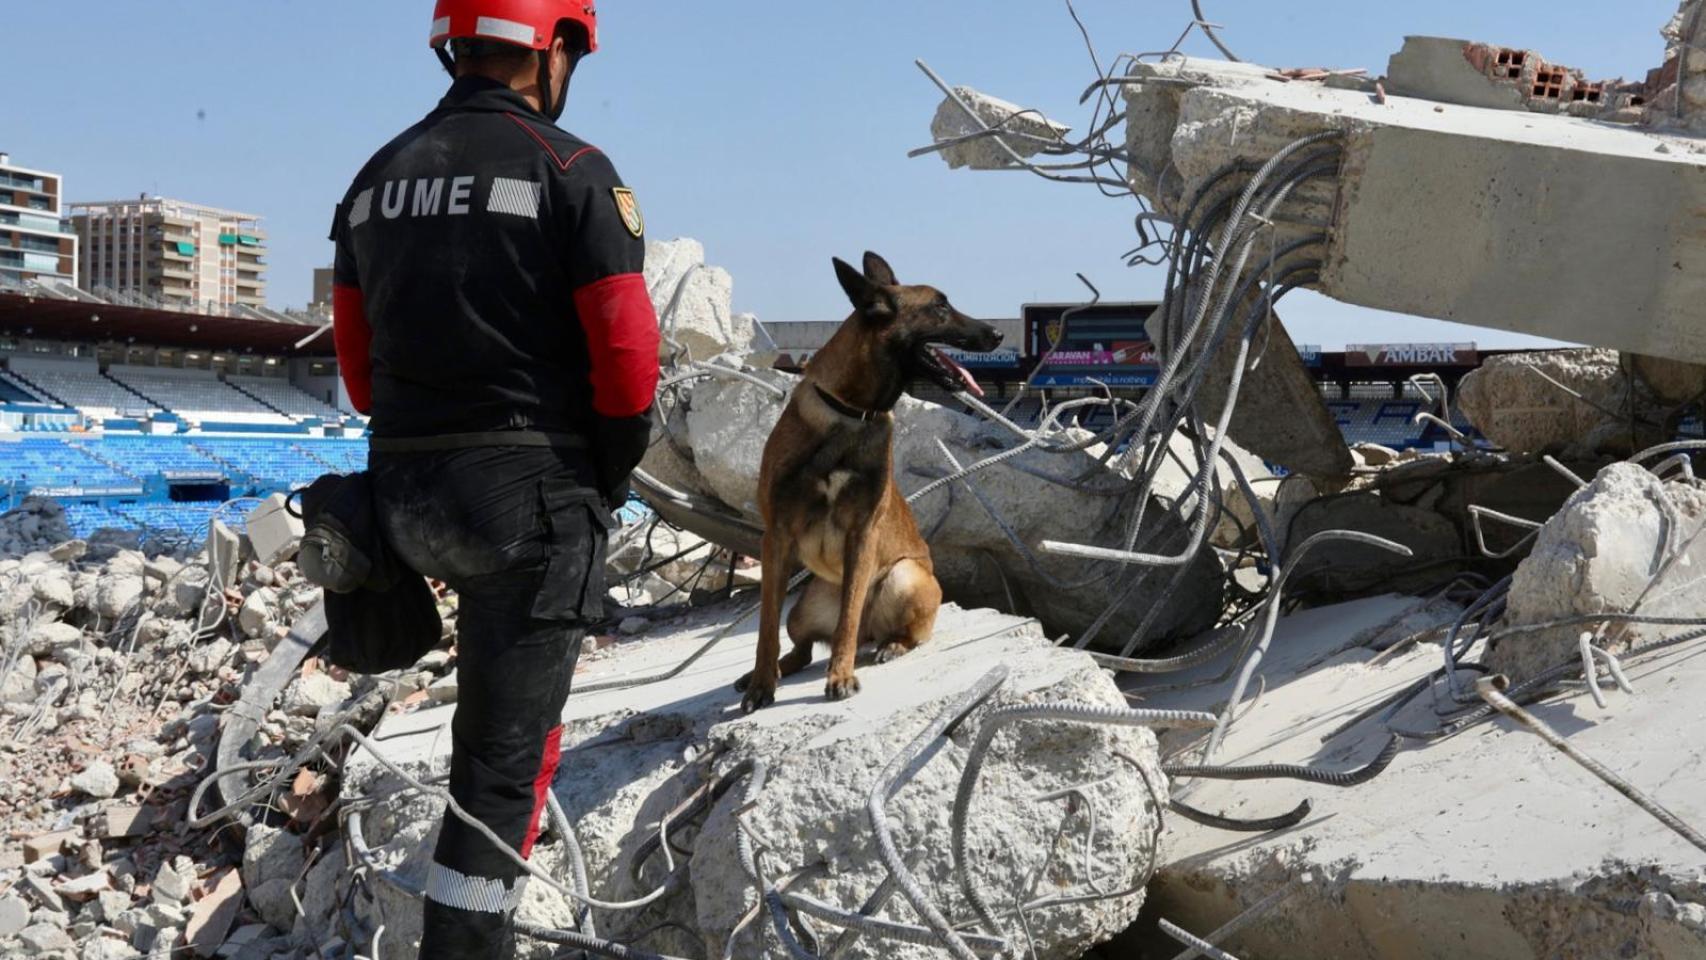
(826,486)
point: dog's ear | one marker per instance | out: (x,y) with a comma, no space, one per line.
(872,301)
(877,270)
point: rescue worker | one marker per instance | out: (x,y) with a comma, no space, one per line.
(490,316)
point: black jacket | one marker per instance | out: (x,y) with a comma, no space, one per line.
(488,277)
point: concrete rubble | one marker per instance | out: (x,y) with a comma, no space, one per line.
(1624,542)
(118,665)
(1482,845)
(679,734)
(138,667)
(1023,132)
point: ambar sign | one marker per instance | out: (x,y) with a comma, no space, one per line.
(1410,354)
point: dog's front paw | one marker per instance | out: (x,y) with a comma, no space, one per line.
(758,696)
(840,688)
(744,682)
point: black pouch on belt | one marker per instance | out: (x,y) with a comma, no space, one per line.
(380,615)
(578,530)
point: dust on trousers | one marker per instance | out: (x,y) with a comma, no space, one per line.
(520,534)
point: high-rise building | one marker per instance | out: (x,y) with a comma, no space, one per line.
(35,240)
(178,253)
(322,303)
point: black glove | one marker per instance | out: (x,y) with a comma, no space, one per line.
(618,446)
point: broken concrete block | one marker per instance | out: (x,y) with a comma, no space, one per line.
(211,917)
(1025,132)
(272,863)
(19,686)
(257,611)
(1179,466)
(1533,872)
(55,588)
(1511,401)
(274,531)
(116,593)
(169,886)
(1604,552)
(445,689)
(45,939)
(1672,382)
(823,759)
(182,595)
(694,301)
(47,844)
(307,695)
(98,780)
(109,904)
(224,551)
(1439,68)
(1421,210)
(39,889)
(14,915)
(86,887)
(48,638)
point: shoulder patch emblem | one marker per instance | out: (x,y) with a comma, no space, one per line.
(629,208)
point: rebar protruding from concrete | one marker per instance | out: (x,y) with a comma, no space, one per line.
(1071,712)
(1290,818)
(1196,943)
(1292,771)
(1272,618)
(889,782)
(1491,690)
(1476,512)
(1250,915)
(1590,672)
(1562,470)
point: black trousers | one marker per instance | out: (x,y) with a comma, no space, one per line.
(520,535)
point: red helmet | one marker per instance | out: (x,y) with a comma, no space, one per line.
(526,23)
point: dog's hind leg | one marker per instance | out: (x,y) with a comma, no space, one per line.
(812,621)
(902,613)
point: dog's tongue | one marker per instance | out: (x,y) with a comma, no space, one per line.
(964,374)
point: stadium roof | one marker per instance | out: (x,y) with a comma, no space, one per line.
(59,312)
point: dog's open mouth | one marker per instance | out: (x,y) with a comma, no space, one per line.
(948,374)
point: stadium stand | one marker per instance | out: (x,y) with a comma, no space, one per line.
(170,457)
(14,391)
(196,395)
(272,461)
(281,396)
(43,464)
(79,383)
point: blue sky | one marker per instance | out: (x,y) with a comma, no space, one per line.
(775,132)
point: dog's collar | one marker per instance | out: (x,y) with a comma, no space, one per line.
(846,409)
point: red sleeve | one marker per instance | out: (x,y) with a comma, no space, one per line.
(622,342)
(352,335)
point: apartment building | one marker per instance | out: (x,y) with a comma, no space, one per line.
(177,253)
(35,240)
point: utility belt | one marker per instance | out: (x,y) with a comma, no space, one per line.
(464,441)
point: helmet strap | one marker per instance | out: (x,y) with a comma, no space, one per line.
(551,110)
(444,58)
(554,111)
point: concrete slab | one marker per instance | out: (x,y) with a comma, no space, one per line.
(1546,224)
(1486,845)
(633,755)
